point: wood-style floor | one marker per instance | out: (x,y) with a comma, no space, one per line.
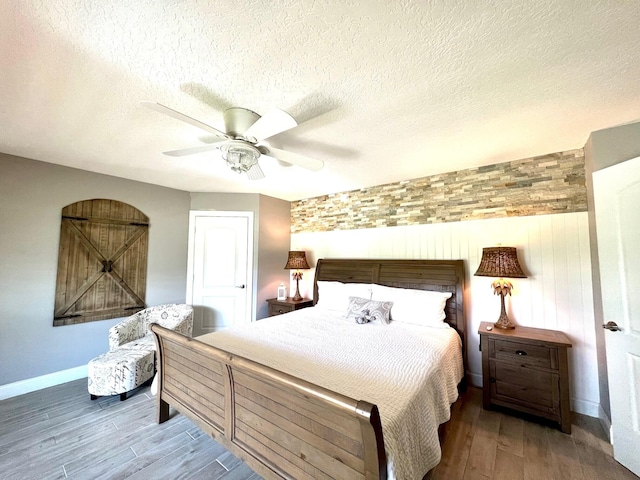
(482,444)
(59,433)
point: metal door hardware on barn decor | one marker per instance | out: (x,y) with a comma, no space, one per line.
(102,262)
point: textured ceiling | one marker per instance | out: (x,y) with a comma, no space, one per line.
(383,90)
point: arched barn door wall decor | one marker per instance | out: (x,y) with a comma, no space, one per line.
(102,262)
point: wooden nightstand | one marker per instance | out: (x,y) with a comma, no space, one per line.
(526,369)
(277,307)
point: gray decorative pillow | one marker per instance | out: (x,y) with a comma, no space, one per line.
(363,310)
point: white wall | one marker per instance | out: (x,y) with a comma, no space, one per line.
(553,250)
(32,195)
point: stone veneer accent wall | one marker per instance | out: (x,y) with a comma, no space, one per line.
(547,184)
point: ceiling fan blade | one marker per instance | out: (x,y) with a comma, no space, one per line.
(190,151)
(255,173)
(270,124)
(296,159)
(181,116)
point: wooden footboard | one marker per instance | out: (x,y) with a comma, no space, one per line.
(280,425)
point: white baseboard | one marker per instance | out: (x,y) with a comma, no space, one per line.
(38,383)
(585,407)
(475,379)
(605,421)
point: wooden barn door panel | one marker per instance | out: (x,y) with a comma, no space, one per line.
(102,262)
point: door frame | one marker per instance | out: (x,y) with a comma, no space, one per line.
(193,215)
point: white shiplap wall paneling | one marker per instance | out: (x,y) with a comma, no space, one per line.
(553,251)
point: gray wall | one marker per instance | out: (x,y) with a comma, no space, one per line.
(271,233)
(32,195)
(275,239)
(603,149)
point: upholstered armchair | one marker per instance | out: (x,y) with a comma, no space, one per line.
(130,361)
(135,330)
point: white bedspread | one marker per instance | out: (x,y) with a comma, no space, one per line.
(411,373)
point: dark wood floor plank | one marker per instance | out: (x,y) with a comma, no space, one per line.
(596,464)
(510,436)
(458,437)
(538,460)
(482,457)
(563,449)
(488,424)
(508,466)
(589,431)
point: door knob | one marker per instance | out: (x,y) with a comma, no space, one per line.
(613,326)
(239,286)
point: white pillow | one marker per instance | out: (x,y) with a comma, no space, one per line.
(420,307)
(335,295)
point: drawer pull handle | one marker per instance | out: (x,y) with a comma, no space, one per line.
(492,380)
(520,352)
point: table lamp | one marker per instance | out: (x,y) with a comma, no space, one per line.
(500,262)
(297,261)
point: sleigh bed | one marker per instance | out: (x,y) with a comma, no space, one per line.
(251,399)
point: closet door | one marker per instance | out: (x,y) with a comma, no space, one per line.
(220,269)
(617,195)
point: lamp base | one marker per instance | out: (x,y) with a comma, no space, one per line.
(504,322)
(297,297)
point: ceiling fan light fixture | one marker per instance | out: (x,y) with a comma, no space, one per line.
(238,147)
(239,155)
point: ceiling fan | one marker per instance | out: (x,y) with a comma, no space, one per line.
(241,144)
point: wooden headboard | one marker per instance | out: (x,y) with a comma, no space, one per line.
(436,275)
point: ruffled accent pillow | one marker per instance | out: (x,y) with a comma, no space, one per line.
(363,310)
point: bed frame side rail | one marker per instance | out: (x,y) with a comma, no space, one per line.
(280,425)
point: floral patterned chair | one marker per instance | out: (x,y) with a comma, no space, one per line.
(130,361)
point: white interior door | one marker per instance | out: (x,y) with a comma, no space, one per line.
(617,198)
(219,282)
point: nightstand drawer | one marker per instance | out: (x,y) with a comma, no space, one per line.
(524,354)
(524,386)
(279,308)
